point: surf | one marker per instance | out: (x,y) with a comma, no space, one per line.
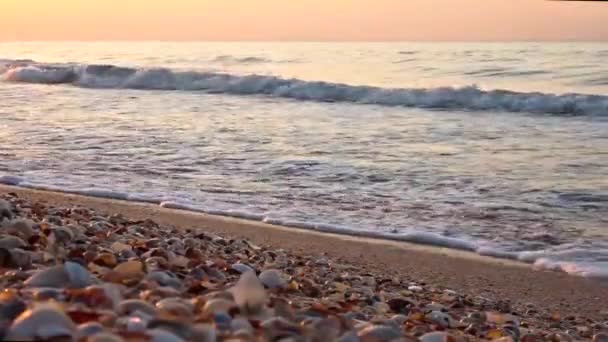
(468,98)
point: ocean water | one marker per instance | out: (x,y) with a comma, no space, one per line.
(499,149)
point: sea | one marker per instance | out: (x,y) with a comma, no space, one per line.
(500,149)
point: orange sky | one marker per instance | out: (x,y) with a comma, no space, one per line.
(302,20)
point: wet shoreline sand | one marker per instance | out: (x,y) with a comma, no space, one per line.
(460,271)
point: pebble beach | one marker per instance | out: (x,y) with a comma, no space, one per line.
(78,269)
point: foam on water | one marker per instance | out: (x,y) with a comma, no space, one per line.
(541,259)
(469,98)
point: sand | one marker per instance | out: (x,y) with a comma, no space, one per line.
(461,271)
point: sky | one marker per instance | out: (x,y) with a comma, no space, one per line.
(309,20)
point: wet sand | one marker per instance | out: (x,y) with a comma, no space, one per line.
(461,271)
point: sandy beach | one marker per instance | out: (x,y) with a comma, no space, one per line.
(459,271)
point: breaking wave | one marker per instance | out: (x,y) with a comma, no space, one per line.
(240,60)
(468,98)
(588,261)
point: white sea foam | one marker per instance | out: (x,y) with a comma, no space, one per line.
(243,60)
(463,98)
(558,259)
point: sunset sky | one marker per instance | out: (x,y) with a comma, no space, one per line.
(302,20)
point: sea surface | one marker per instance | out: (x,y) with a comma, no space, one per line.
(495,148)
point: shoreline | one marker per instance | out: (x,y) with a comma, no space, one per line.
(461,271)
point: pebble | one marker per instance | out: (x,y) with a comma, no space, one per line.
(600,337)
(130,306)
(442,319)
(436,337)
(249,293)
(10,242)
(378,333)
(415,288)
(6,211)
(21,228)
(50,277)
(273,279)
(104,337)
(88,329)
(219,305)
(16,258)
(175,306)
(78,276)
(242,268)
(11,306)
(42,322)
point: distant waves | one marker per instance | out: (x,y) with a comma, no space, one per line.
(443,98)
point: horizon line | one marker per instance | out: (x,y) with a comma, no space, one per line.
(302,41)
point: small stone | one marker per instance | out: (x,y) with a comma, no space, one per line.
(600,337)
(437,336)
(442,319)
(414,288)
(106,260)
(218,305)
(249,293)
(129,306)
(584,332)
(241,324)
(10,242)
(125,272)
(399,319)
(15,258)
(49,277)
(222,320)
(88,329)
(62,235)
(164,279)
(175,307)
(119,247)
(180,261)
(11,306)
(500,318)
(104,337)
(241,268)
(48,293)
(512,331)
(277,326)
(78,276)
(273,279)
(204,333)
(160,335)
(327,329)
(368,281)
(349,336)
(532,338)
(6,211)
(22,228)
(478,317)
(132,324)
(559,337)
(376,333)
(42,322)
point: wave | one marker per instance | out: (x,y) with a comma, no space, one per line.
(239,60)
(470,98)
(497,72)
(597,81)
(589,261)
(229,59)
(408,52)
